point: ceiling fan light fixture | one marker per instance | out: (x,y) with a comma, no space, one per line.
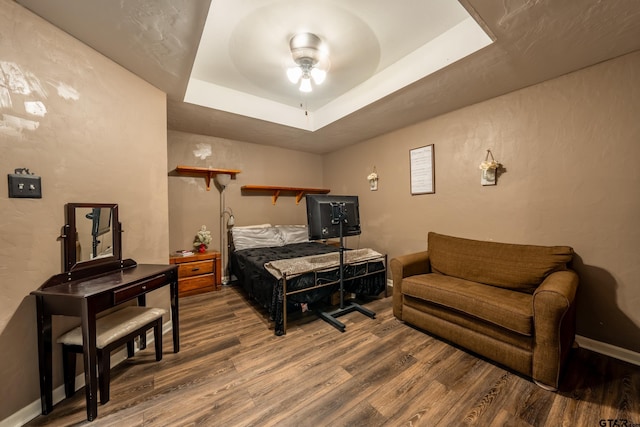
(307,51)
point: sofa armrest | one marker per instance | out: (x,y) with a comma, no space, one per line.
(405,266)
(554,318)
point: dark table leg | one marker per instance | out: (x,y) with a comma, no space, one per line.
(174,316)
(44,357)
(90,359)
(142,302)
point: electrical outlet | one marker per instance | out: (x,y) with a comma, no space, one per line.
(25,186)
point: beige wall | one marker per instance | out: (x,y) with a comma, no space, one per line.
(570,147)
(191,205)
(102,139)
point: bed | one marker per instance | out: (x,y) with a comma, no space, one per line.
(315,274)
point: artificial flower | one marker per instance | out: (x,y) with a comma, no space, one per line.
(489,164)
(203,237)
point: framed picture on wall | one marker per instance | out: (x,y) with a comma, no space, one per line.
(422,170)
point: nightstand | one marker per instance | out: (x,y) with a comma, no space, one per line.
(198,273)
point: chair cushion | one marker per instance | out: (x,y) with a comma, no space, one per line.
(502,307)
(115,325)
(511,266)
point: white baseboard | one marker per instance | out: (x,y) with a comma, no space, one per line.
(34,409)
(609,350)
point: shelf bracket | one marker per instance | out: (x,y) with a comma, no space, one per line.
(274,198)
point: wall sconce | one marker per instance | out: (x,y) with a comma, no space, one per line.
(373,180)
(489,169)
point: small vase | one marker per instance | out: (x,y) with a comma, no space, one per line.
(202,248)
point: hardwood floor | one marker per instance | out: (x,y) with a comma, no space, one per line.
(233,371)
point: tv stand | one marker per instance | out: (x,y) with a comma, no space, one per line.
(338,215)
(331,316)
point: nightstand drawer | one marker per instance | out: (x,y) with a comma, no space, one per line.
(197,284)
(195,268)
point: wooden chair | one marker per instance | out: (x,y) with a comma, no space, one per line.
(112,331)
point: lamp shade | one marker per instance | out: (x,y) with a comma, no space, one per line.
(294,74)
(223,179)
(318,75)
(305,85)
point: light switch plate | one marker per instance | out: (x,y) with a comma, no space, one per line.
(25,186)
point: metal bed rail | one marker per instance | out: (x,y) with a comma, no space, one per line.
(316,279)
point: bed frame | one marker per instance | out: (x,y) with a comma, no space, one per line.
(281,290)
(367,271)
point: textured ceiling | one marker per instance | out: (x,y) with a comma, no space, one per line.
(533,41)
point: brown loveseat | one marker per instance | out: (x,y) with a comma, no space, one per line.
(513,304)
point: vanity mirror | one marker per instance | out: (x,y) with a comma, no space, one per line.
(91,235)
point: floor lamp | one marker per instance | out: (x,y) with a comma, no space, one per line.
(223,180)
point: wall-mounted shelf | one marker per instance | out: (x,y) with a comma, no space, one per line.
(277,191)
(207,173)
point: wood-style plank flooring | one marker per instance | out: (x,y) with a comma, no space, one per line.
(233,371)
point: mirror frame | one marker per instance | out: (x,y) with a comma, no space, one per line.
(70,255)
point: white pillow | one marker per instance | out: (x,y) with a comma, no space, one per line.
(255,237)
(293,233)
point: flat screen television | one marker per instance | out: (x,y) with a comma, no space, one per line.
(325,213)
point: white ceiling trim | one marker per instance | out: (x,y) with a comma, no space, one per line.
(218,97)
(464,39)
(461,40)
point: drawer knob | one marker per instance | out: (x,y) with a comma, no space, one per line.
(144,287)
(195,269)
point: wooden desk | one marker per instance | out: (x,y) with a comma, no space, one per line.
(85,293)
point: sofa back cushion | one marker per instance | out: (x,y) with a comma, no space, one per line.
(511,266)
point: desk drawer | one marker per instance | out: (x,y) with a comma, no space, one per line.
(130,292)
(195,268)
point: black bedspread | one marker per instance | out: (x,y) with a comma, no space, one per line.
(248,266)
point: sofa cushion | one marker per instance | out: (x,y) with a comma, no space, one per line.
(502,307)
(511,266)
